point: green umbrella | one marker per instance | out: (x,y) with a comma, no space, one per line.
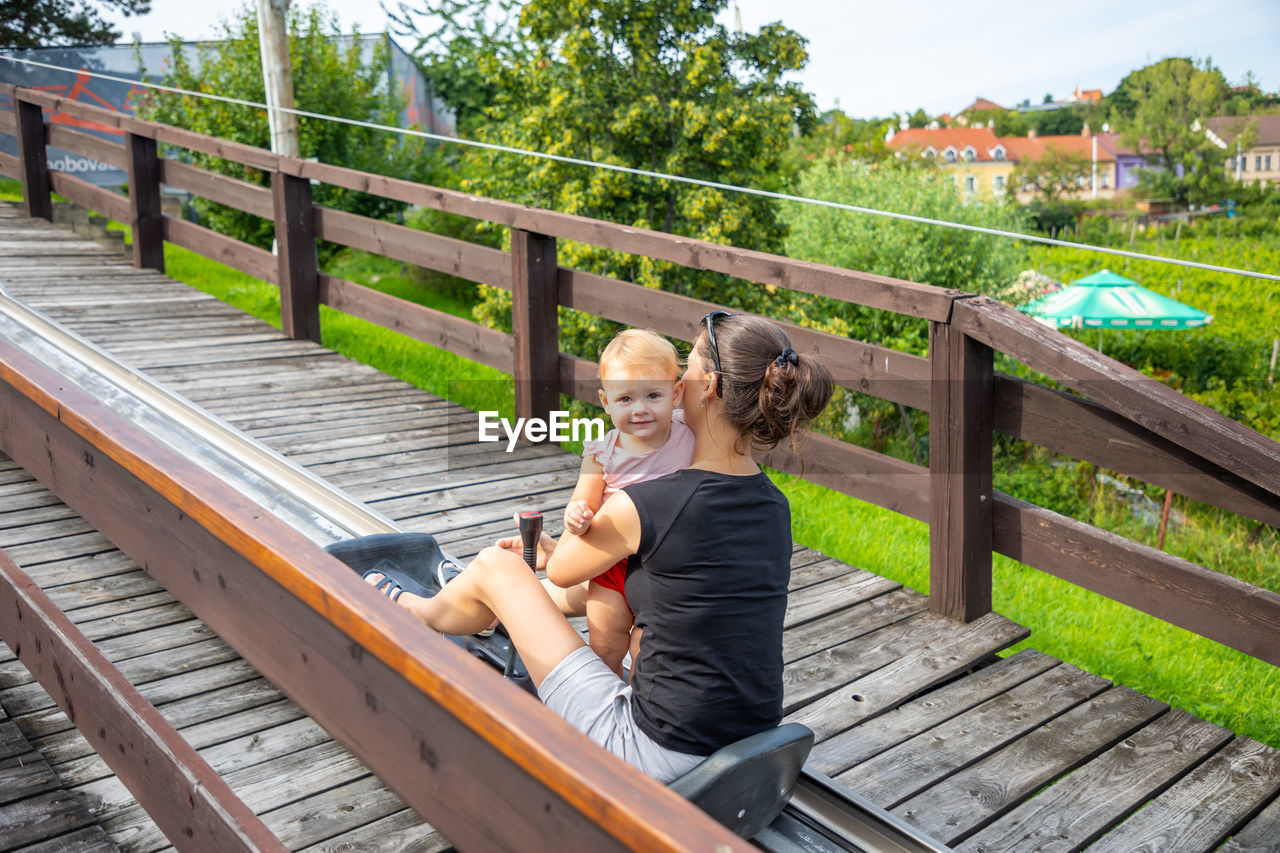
(1105,300)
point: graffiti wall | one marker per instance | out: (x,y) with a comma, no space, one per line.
(423,110)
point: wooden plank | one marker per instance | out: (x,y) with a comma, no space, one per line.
(1072,425)
(865,741)
(1079,809)
(27,696)
(867,368)
(971,799)
(242,195)
(817,675)
(24,776)
(33,160)
(230,716)
(863,618)
(87,145)
(914,765)
(1205,806)
(954,651)
(414,246)
(1220,607)
(534,325)
(437,328)
(1259,835)
(960,474)
(1188,424)
(32,820)
(250,260)
(341,810)
(413,705)
(146,217)
(296,263)
(10,166)
(401,831)
(85,194)
(810,603)
(91,839)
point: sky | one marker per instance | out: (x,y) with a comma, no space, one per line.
(875,58)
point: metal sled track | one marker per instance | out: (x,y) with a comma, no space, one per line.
(822,816)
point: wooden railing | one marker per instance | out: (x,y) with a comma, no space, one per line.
(1124,421)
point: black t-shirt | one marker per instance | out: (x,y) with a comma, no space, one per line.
(709,588)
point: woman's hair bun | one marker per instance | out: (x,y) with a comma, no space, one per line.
(771,392)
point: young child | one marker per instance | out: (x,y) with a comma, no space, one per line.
(641,391)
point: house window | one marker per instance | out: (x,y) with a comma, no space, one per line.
(997,183)
(950,156)
(1268,163)
(1104,180)
(998,155)
(970,184)
(1257,163)
(970,155)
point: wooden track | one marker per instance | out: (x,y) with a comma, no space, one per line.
(913,711)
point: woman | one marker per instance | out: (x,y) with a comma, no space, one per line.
(710,550)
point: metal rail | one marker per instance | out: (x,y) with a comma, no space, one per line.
(821,817)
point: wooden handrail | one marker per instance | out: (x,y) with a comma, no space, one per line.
(1143,400)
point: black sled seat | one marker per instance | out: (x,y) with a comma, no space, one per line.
(747,784)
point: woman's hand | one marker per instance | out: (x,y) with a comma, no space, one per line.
(514,544)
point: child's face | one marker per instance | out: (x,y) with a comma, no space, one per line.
(638,404)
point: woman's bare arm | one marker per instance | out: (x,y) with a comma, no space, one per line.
(613,535)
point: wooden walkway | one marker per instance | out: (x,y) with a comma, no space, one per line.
(914,712)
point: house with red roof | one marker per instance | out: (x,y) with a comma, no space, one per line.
(983,164)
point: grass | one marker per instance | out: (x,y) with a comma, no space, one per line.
(1085,629)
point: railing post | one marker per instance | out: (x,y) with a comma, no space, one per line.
(534,324)
(297,269)
(960,447)
(144,202)
(34,160)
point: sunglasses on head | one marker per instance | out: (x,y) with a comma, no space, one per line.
(710,322)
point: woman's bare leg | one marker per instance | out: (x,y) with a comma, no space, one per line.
(499,583)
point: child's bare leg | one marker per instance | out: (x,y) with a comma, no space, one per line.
(609,625)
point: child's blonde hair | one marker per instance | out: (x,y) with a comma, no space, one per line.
(640,349)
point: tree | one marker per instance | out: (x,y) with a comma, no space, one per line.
(651,84)
(1057,173)
(931,254)
(836,135)
(1160,109)
(43,23)
(330,76)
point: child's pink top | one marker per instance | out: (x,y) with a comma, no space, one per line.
(622,468)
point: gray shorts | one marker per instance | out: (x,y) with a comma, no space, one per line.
(596,702)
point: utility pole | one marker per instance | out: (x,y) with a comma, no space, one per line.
(273,39)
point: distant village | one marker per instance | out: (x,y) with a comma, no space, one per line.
(966,145)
